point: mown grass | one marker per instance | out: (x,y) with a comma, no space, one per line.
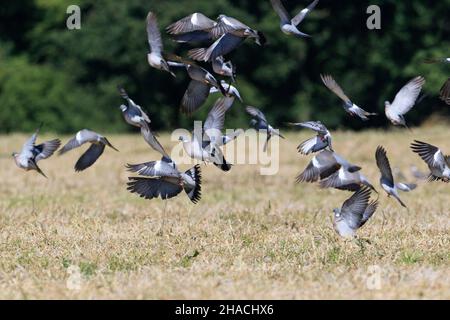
(251,236)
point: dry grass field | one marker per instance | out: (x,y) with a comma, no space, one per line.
(84,236)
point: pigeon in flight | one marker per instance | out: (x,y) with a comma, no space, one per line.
(155,57)
(259,122)
(163,179)
(444,93)
(354,213)
(31,153)
(289,25)
(321,141)
(404,101)
(231,33)
(134,115)
(438,163)
(386,179)
(204,146)
(349,106)
(199,88)
(98,143)
(324,164)
(193,28)
(346,180)
(224,68)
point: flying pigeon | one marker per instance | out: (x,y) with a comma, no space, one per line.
(324,164)
(259,122)
(445,92)
(386,179)
(354,213)
(231,33)
(98,143)
(321,141)
(193,28)
(163,179)
(199,88)
(346,180)
(438,163)
(349,106)
(155,57)
(134,115)
(31,153)
(289,25)
(204,145)
(404,101)
(224,68)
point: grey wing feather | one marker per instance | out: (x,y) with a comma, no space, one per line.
(445,92)
(224,45)
(331,84)
(216,116)
(303,13)
(255,112)
(383,164)
(29,144)
(406,187)
(150,138)
(407,96)
(354,207)
(154,169)
(370,210)
(47,149)
(426,151)
(153,33)
(281,11)
(195,96)
(71,144)
(150,188)
(89,157)
(316,126)
(189,24)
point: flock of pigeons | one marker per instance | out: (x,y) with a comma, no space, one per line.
(163,179)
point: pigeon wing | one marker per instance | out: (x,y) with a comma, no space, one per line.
(303,13)
(194,22)
(153,34)
(195,96)
(150,188)
(91,155)
(281,11)
(354,207)
(331,84)
(407,96)
(383,165)
(47,149)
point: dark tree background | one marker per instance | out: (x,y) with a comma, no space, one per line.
(67,79)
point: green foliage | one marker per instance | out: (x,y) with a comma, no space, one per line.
(67,79)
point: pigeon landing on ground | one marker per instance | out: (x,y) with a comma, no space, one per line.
(289,25)
(386,179)
(155,57)
(321,141)
(354,213)
(259,122)
(204,145)
(438,163)
(163,179)
(31,153)
(404,101)
(349,106)
(98,143)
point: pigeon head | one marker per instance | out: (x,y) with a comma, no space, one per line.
(183,139)
(253,122)
(337,213)
(123,107)
(14,154)
(387,104)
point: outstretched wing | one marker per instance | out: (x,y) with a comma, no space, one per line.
(150,188)
(445,92)
(194,22)
(90,156)
(195,96)
(429,153)
(71,144)
(331,84)
(255,112)
(302,14)
(153,34)
(281,11)
(46,149)
(150,138)
(383,165)
(354,207)
(407,96)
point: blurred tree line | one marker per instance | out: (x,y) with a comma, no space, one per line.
(67,78)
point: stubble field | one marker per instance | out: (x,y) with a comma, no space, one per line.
(84,236)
